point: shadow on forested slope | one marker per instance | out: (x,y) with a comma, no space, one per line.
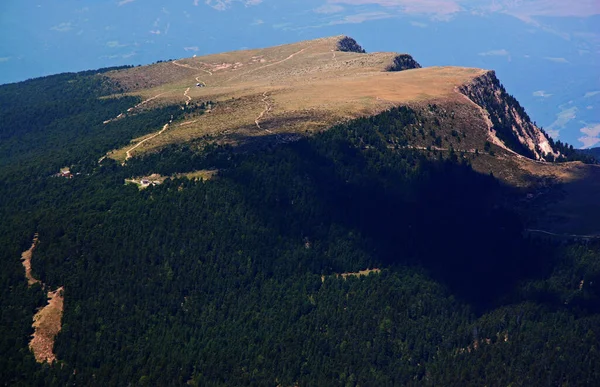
(440,215)
(393,205)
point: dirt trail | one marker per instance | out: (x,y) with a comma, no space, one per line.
(191,67)
(437,148)
(166,126)
(121,115)
(147,139)
(184,65)
(187,123)
(26,261)
(47,324)
(145,102)
(268,65)
(267,109)
(575,236)
(185,94)
(281,61)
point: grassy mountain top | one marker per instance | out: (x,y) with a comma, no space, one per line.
(295,88)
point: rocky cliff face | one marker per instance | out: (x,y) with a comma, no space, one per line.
(403,62)
(509,123)
(347,44)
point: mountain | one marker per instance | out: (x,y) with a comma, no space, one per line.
(594,152)
(311,85)
(275,95)
(305,214)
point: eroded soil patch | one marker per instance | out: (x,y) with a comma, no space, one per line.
(26,261)
(357,274)
(47,324)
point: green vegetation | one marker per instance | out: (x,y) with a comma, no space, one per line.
(568,153)
(218,283)
(347,44)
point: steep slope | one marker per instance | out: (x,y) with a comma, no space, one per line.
(510,124)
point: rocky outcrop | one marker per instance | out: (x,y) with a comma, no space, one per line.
(403,62)
(347,44)
(509,122)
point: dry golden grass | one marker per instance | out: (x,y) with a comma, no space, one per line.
(361,273)
(308,86)
(47,324)
(196,175)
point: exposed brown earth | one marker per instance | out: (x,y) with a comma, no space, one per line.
(47,324)
(26,261)
(361,273)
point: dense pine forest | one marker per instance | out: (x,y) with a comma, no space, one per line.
(237,280)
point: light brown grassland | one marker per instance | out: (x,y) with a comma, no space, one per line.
(308,88)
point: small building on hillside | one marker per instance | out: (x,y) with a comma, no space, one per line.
(66,173)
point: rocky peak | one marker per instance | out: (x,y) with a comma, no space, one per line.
(347,44)
(509,123)
(403,62)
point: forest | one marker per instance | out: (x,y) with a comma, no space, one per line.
(237,281)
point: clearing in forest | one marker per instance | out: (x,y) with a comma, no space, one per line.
(26,261)
(358,274)
(47,322)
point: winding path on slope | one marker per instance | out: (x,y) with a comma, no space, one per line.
(198,80)
(185,94)
(267,109)
(145,102)
(190,67)
(165,127)
(575,236)
(121,115)
(267,65)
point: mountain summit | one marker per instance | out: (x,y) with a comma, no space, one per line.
(311,85)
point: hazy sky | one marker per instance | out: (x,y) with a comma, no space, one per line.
(546,52)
